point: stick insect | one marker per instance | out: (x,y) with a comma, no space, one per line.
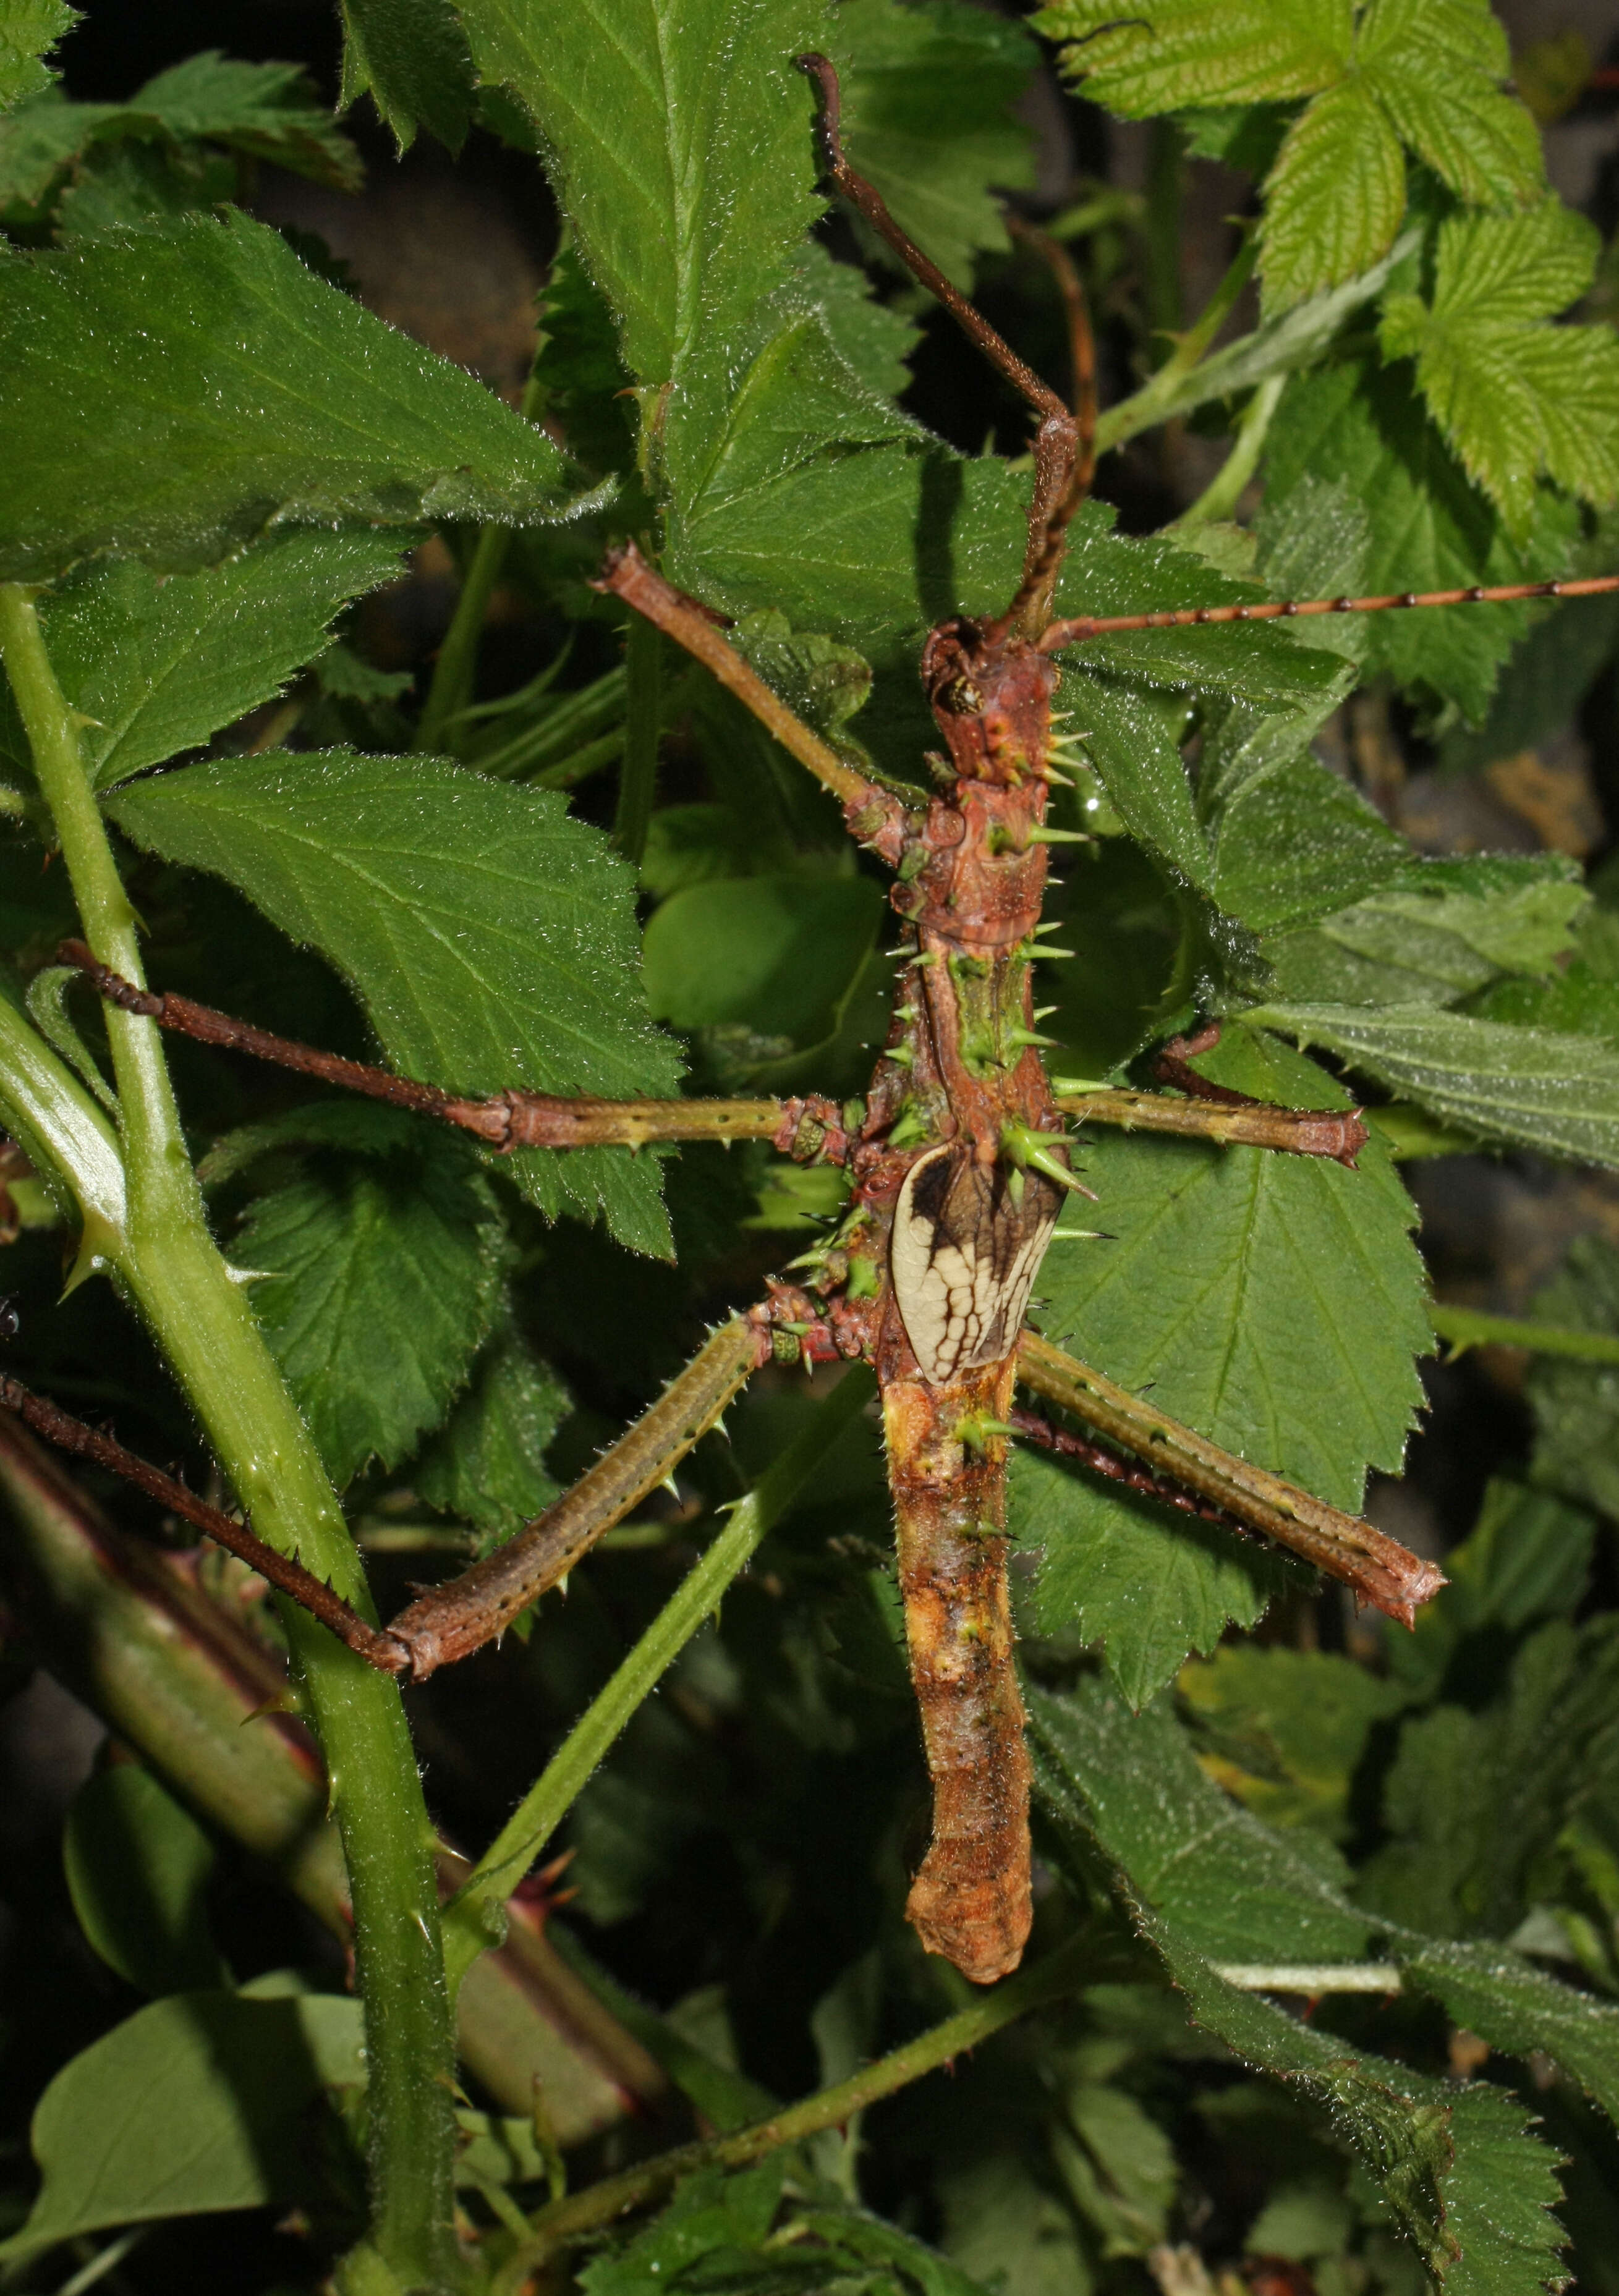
(961,1163)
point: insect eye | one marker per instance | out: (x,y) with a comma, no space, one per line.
(962,698)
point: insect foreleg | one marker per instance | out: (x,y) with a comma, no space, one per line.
(1339,1133)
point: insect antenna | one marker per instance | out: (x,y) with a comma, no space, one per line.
(1058,449)
(1076,631)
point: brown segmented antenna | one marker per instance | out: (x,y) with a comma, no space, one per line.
(1082,627)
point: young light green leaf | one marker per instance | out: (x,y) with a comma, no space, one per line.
(411,58)
(1334,198)
(927,99)
(1198,53)
(1517,397)
(298,406)
(1275,1304)
(158,665)
(1430,528)
(774,956)
(380,1280)
(1531,1086)
(489,935)
(29,28)
(1397,73)
(486,1464)
(195,2103)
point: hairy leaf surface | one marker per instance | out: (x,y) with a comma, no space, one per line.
(489,935)
(299,406)
(158,665)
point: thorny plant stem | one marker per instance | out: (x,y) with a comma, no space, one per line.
(1465,1327)
(1219,498)
(473,1917)
(170,1265)
(601,2204)
(1378,1569)
(457,666)
(638,773)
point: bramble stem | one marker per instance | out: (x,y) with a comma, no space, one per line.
(1465,1327)
(1379,1570)
(601,2204)
(475,1916)
(169,1263)
(1219,498)
(638,773)
(457,666)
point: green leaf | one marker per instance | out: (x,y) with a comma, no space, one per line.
(928,93)
(377,1281)
(487,1463)
(1335,197)
(1515,397)
(1519,2009)
(264,111)
(1208,1884)
(159,664)
(1436,70)
(267,111)
(489,937)
(1132,1782)
(678,134)
(1558,1094)
(195,2103)
(411,58)
(297,406)
(1197,53)
(1292,842)
(1275,1304)
(1472,1801)
(138,1867)
(1430,528)
(117,188)
(774,956)
(1576,1405)
(873,339)
(1439,932)
(29,28)
(1284,1730)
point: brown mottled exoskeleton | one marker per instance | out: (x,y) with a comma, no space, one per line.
(958,1165)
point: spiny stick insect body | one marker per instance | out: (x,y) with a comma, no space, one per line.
(959,1167)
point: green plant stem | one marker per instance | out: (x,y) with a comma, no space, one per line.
(473,1918)
(638,773)
(1219,498)
(601,2204)
(167,1262)
(457,666)
(1165,189)
(1465,1327)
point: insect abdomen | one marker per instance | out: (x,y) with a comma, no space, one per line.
(971,1899)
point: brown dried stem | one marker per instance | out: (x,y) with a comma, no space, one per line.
(378,1648)
(506,1121)
(1094,626)
(1378,1569)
